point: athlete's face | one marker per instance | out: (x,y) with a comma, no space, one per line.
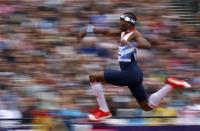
(124,25)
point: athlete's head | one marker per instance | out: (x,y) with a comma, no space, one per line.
(127,21)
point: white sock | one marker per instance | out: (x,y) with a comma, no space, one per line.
(97,89)
(155,98)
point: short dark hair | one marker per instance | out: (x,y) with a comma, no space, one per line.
(131,15)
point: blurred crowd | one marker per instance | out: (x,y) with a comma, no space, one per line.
(44,71)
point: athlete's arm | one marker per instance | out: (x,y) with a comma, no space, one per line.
(82,34)
(97,30)
(141,41)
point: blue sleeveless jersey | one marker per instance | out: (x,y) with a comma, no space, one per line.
(128,52)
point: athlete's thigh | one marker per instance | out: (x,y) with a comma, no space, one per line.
(139,92)
(116,77)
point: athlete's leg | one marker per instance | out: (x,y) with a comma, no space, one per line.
(154,100)
(171,83)
(114,77)
(141,96)
(96,79)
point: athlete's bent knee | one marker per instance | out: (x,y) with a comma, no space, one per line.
(97,77)
(146,108)
(144,105)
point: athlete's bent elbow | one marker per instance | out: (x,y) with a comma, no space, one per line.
(149,46)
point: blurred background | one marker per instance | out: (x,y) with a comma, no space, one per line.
(44,83)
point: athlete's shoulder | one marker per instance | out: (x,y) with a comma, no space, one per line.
(134,35)
(138,33)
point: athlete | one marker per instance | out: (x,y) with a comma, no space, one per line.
(130,74)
